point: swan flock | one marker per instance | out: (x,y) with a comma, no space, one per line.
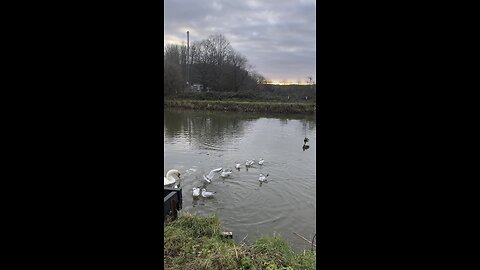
(173,175)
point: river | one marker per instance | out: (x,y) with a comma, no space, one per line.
(196,142)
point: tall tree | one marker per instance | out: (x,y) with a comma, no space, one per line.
(220,49)
(214,64)
(173,73)
(238,62)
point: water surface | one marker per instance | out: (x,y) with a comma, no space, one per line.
(196,142)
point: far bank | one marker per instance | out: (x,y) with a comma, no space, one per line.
(243,106)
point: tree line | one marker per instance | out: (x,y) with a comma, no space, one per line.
(212,63)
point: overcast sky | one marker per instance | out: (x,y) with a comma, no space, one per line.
(277,37)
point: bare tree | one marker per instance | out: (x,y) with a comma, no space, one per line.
(173,73)
(238,62)
(256,79)
(214,64)
(309,80)
(172,79)
(221,48)
(171,54)
(202,61)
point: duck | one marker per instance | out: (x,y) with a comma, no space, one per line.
(196,192)
(171,176)
(305,140)
(207,194)
(226,173)
(261,161)
(263,178)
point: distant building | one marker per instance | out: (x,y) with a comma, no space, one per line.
(197,87)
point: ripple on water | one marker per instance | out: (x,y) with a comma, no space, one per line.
(208,146)
(285,204)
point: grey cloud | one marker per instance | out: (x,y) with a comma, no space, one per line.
(277,37)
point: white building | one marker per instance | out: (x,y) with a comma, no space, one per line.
(197,87)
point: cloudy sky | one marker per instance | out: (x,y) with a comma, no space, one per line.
(278,37)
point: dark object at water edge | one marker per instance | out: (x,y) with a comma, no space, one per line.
(172,202)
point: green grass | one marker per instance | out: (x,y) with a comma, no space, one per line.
(244,106)
(195,242)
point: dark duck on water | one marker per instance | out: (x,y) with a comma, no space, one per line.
(305,147)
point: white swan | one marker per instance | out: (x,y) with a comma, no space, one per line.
(261,161)
(170,178)
(249,162)
(210,176)
(226,173)
(238,165)
(263,178)
(196,192)
(207,194)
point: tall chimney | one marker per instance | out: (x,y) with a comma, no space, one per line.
(188,58)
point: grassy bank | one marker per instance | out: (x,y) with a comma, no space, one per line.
(243,106)
(194,242)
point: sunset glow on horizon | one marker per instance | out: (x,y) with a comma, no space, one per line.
(287,83)
(278,38)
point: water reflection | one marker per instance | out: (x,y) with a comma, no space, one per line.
(195,142)
(195,201)
(209,130)
(204,129)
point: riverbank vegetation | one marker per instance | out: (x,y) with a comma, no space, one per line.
(242,106)
(195,242)
(284,93)
(267,98)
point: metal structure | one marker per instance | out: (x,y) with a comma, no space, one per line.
(172,202)
(188,59)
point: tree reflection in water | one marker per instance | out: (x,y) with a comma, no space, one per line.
(205,128)
(214,129)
